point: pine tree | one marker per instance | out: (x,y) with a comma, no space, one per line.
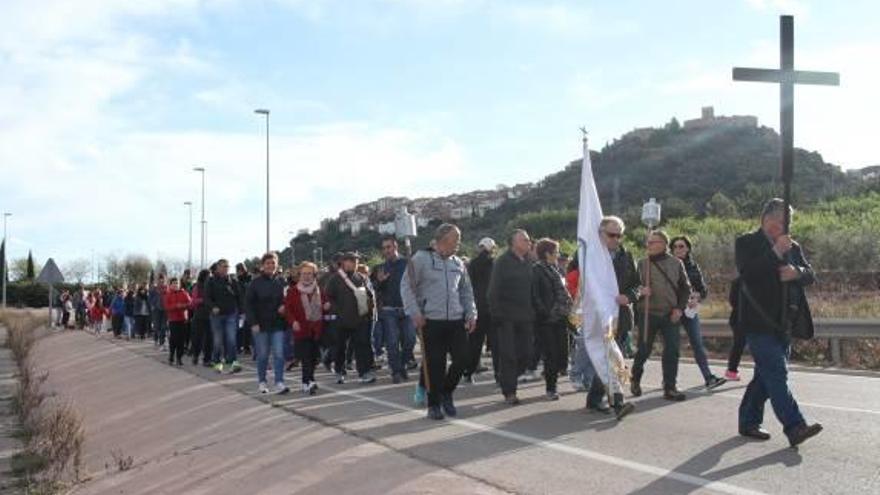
(30,267)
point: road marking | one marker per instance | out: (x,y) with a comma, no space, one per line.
(568,449)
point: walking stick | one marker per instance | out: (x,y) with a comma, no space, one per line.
(425,374)
(651,218)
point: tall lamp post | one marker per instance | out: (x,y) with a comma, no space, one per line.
(189,255)
(5,257)
(204,247)
(265,112)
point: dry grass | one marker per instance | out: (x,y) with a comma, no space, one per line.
(53,430)
(855,305)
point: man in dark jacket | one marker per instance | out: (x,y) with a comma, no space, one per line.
(157,309)
(510,302)
(772,307)
(264,302)
(223,298)
(612,229)
(352,302)
(244,334)
(480,271)
(397,328)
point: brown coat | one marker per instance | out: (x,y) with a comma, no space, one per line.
(667,292)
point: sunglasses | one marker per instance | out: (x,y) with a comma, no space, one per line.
(680,246)
(613,235)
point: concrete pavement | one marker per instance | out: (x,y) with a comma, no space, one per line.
(191,430)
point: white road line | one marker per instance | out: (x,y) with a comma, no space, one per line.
(576,451)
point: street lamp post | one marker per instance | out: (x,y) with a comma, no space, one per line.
(189,255)
(204,247)
(265,112)
(5,256)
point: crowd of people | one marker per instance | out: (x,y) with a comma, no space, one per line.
(517,306)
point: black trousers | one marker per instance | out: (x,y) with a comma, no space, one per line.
(360,341)
(736,352)
(176,340)
(475,343)
(202,339)
(141,325)
(307,352)
(116,325)
(553,342)
(515,341)
(442,338)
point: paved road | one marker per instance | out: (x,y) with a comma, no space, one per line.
(194,431)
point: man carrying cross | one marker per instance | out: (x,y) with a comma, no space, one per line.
(770,304)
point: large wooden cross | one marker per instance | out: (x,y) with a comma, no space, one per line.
(786,77)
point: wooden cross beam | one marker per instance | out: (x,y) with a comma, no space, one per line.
(786,77)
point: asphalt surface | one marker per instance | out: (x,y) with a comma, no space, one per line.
(191,430)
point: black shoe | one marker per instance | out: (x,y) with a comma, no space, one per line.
(755,432)
(179,362)
(635,388)
(714,382)
(468,379)
(171,361)
(598,408)
(396,378)
(435,413)
(511,400)
(803,432)
(195,361)
(673,394)
(621,409)
(449,407)
(404,375)
(412,365)
(328,366)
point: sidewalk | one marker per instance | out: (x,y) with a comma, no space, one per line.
(188,435)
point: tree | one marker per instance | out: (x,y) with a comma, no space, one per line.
(136,268)
(29,273)
(76,270)
(720,205)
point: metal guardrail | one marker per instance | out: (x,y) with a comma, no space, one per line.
(831,328)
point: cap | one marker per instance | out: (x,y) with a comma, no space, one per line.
(486,243)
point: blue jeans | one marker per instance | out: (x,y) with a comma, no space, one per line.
(692,327)
(770,381)
(583,372)
(399,333)
(275,339)
(224,329)
(377,335)
(128,322)
(160,327)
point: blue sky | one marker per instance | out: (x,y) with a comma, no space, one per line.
(105,106)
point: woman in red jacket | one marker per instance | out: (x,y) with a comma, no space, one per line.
(305,306)
(176,302)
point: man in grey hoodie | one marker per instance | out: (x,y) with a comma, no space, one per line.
(438,296)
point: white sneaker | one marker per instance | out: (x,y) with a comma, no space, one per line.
(264,388)
(281,388)
(306,387)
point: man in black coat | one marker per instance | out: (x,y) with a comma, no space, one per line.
(480,270)
(771,307)
(351,299)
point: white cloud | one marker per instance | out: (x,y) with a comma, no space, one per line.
(84,170)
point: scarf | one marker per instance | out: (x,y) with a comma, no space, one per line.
(311,300)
